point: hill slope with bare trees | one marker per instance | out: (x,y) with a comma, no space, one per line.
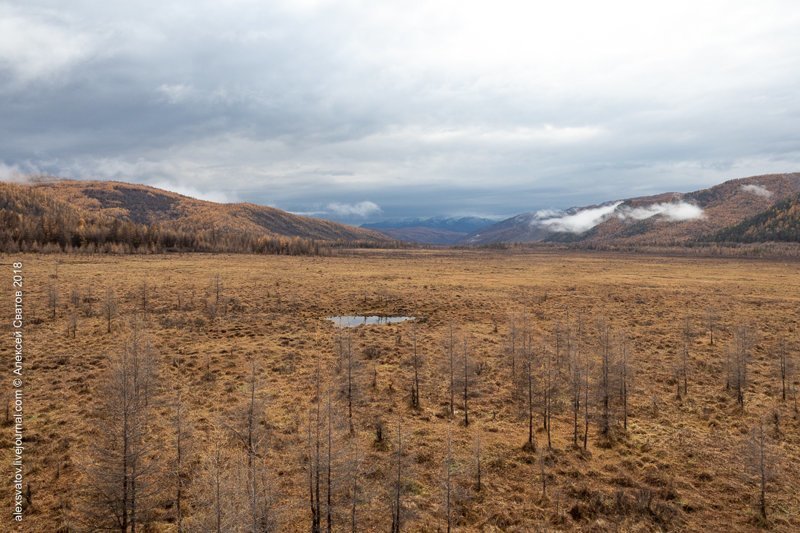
(122,217)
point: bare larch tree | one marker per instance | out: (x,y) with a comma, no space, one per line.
(109,308)
(576,379)
(683,372)
(624,378)
(759,464)
(605,386)
(251,434)
(180,472)
(52,299)
(122,469)
(315,452)
(549,389)
(415,362)
(738,361)
(448,482)
(466,382)
(354,467)
(785,366)
(711,322)
(478,450)
(528,384)
(451,361)
(397,489)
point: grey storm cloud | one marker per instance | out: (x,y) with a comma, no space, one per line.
(378,109)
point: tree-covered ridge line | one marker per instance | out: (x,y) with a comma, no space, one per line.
(40,219)
(779,223)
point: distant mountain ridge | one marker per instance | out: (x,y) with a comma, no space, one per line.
(458,224)
(670,219)
(431,230)
(124,217)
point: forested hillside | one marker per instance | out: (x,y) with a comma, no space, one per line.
(779,223)
(124,218)
(668,219)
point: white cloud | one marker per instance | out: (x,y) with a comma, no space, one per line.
(37,46)
(672,211)
(187,190)
(495,136)
(360,209)
(583,220)
(174,93)
(758,190)
(424,108)
(12,173)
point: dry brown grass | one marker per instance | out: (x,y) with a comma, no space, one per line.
(687,455)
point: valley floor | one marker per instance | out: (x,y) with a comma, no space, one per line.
(681,465)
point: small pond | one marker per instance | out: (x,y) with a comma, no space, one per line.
(351,321)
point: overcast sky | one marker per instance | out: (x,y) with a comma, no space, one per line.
(379,109)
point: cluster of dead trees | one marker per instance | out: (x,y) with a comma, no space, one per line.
(135,468)
(578,374)
(122,237)
(584,374)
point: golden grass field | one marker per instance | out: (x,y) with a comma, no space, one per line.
(688,453)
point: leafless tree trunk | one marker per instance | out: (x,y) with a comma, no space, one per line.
(711,321)
(512,349)
(378,430)
(251,445)
(784,366)
(576,383)
(624,380)
(52,299)
(328,470)
(314,469)
(415,403)
(109,308)
(543,474)
(217,290)
(549,391)
(466,383)
(346,349)
(684,366)
(182,434)
(451,349)
(252,435)
(478,465)
(605,379)
(529,371)
(72,325)
(354,473)
(143,291)
(738,361)
(88,303)
(448,481)
(397,502)
(793,392)
(75,297)
(586,373)
(217,467)
(558,337)
(759,464)
(312,474)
